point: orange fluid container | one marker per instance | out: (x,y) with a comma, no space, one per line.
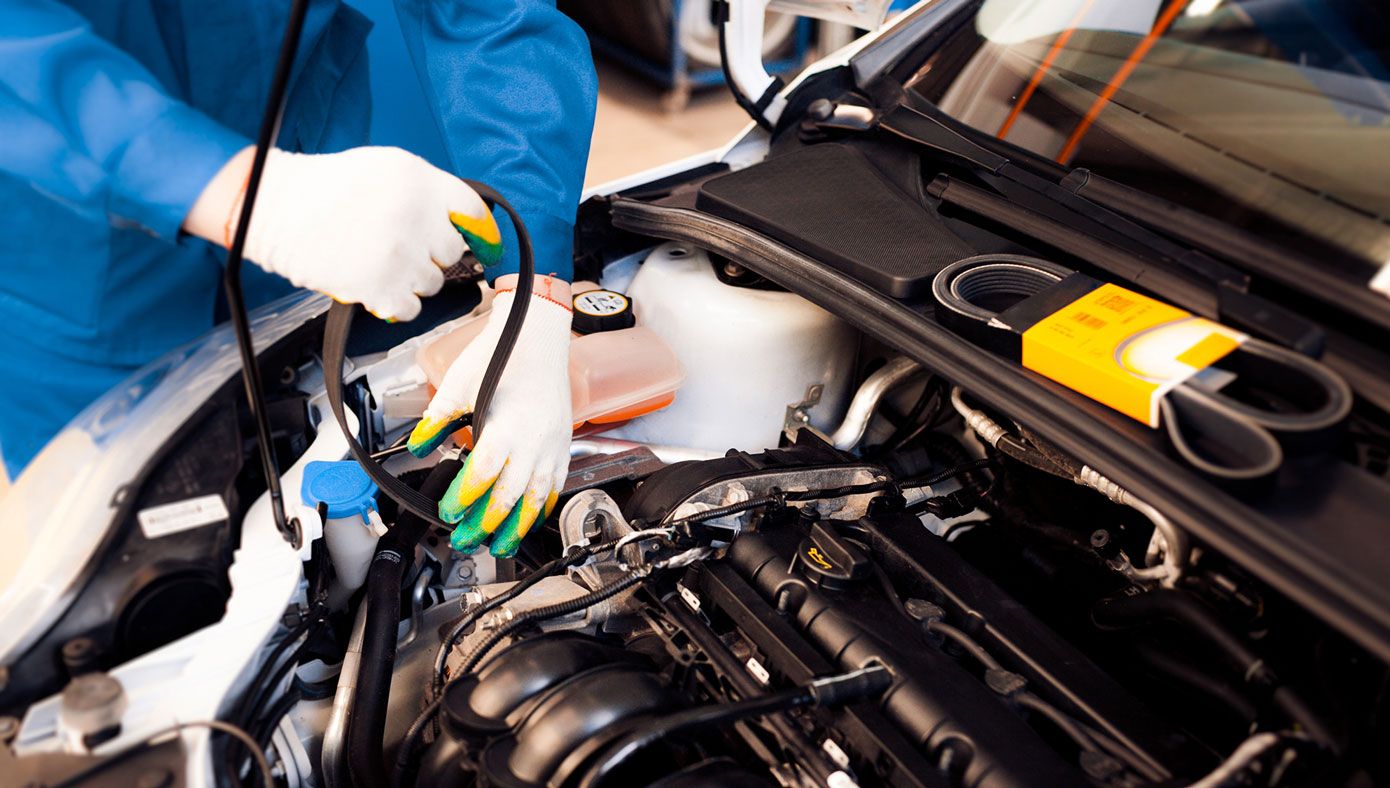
(614,375)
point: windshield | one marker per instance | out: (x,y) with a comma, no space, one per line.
(1270,114)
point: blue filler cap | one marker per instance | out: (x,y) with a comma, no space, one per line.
(343,486)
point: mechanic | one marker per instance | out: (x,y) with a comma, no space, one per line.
(127,128)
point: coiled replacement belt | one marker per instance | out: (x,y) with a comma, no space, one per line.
(1222,396)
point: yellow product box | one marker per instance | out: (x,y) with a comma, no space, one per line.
(1123,349)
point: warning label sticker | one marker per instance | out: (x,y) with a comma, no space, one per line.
(1123,349)
(171,518)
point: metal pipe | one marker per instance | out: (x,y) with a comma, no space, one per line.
(587,447)
(333,760)
(417,604)
(1176,549)
(867,398)
(1247,753)
(1169,541)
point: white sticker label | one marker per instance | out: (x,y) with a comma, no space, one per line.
(759,672)
(836,754)
(840,780)
(171,518)
(692,601)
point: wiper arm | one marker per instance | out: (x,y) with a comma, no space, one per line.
(1101,236)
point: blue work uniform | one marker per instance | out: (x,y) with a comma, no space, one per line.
(114,114)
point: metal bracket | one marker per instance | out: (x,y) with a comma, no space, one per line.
(798,415)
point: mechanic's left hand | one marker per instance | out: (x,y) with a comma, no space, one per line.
(514,474)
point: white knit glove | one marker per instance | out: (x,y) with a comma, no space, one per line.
(515,473)
(374,226)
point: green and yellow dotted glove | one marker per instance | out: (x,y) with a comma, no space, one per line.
(513,476)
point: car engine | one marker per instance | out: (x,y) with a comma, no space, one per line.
(908,589)
(818,528)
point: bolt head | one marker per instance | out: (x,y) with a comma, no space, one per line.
(922,610)
(78,647)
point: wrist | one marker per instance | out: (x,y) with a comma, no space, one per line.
(547,288)
(213,215)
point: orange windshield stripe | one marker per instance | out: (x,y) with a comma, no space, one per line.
(1043,68)
(1118,80)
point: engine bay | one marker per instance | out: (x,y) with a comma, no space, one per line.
(823,524)
(909,589)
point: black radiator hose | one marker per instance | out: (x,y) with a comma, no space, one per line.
(1185,610)
(394,552)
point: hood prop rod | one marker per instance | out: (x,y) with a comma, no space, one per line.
(231,274)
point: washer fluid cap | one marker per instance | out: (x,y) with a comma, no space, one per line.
(602,310)
(342,486)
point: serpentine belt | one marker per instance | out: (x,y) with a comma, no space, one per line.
(993,300)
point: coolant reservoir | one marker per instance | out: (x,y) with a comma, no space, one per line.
(748,355)
(614,375)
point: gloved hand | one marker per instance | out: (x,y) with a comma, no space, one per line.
(375,226)
(515,472)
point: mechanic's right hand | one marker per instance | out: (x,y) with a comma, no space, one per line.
(375,226)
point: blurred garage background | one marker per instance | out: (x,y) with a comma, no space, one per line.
(661,90)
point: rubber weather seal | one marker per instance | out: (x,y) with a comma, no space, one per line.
(1305,574)
(1037,205)
(971,294)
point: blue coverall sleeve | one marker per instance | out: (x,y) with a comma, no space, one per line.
(80,119)
(512,87)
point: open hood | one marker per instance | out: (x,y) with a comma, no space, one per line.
(741,44)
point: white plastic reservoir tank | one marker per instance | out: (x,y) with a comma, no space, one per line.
(748,355)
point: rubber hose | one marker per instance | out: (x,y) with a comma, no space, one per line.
(624,748)
(829,692)
(1198,681)
(1183,609)
(1016,449)
(394,552)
